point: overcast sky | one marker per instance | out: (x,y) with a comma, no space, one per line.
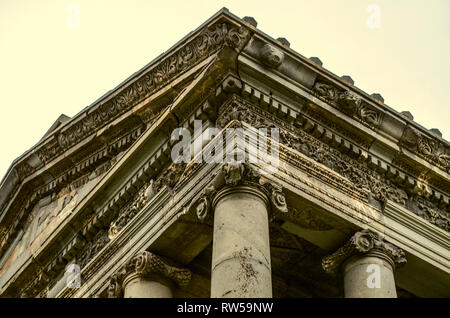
(60,56)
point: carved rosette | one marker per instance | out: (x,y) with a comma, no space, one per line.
(145,264)
(232,175)
(271,56)
(361,243)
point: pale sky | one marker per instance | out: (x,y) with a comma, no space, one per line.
(51,62)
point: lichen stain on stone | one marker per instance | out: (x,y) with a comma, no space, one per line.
(247,276)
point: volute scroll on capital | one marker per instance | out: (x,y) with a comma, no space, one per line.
(145,264)
(233,175)
(365,242)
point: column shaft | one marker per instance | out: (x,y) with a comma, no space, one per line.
(140,287)
(369,277)
(241,249)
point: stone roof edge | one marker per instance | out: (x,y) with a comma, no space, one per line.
(224,12)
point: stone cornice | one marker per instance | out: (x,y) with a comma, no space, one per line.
(365,242)
(345,140)
(146,264)
(214,34)
(368,109)
(186,191)
(220,33)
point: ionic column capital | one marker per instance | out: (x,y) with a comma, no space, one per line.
(364,243)
(146,265)
(238,176)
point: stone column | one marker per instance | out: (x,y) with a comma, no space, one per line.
(241,249)
(367,264)
(240,201)
(147,275)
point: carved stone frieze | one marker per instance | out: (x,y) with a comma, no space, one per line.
(362,141)
(317,150)
(127,212)
(430,212)
(357,172)
(363,243)
(49,151)
(93,247)
(24,170)
(306,218)
(79,174)
(368,115)
(208,41)
(145,264)
(169,177)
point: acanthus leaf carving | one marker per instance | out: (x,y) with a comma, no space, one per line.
(350,103)
(430,149)
(234,174)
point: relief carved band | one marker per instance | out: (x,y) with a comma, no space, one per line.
(350,103)
(79,174)
(146,264)
(168,177)
(429,148)
(363,243)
